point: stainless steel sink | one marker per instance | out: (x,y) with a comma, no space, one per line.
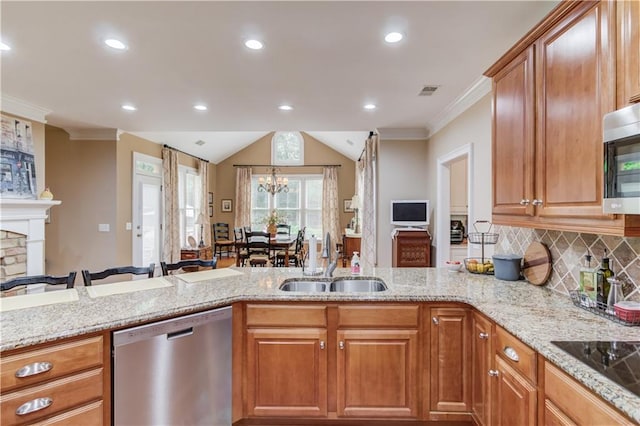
(304,286)
(350,285)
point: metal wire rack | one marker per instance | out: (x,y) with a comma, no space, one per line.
(581,300)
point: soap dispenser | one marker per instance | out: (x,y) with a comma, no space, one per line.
(355,264)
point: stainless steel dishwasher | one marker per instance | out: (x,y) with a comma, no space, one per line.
(174,372)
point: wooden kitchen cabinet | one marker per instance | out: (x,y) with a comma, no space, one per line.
(286,360)
(350,244)
(550,94)
(74,374)
(628,63)
(481,362)
(450,359)
(514,397)
(411,249)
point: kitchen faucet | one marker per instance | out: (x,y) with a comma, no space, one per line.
(326,254)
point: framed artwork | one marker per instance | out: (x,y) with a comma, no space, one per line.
(347,206)
(210,210)
(210,197)
(227,206)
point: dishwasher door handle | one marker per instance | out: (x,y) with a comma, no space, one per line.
(178,334)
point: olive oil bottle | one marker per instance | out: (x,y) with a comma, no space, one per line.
(603,275)
(588,279)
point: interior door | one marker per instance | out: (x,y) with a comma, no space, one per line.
(147,220)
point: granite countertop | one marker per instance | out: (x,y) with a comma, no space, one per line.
(536,315)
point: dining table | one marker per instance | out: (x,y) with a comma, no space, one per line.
(276,243)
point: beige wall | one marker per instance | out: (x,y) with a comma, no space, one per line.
(472,127)
(37,133)
(83,175)
(259,152)
(402,175)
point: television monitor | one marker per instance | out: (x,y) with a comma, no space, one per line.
(410,212)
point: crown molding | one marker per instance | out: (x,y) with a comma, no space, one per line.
(102,134)
(473,94)
(402,133)
(20,108)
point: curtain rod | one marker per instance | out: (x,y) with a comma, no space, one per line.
(283,166)
(371,134)
(185,153)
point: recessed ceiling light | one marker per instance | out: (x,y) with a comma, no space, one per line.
(393,37)
(285,107)
(369,106)
(253,44)
(4,46)
(200,107)
(129,107)
(115,44)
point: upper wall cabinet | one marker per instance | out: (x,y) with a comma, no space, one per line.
(628,37)
(550,93)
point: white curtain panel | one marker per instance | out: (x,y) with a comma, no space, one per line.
(368,198)
(203,171)
(171,244)
(243,197)
(331,206)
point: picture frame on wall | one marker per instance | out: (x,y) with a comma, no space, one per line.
(210,210)
(210,197)
(347,206)
(227,206)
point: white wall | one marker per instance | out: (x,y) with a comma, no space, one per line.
(402,174)
(471,127)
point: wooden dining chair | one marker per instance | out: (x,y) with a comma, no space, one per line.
(89,277)
(222,238)
(295,253)
(67,280)
(258,248)
(182,265)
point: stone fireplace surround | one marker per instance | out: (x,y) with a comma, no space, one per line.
(27,218)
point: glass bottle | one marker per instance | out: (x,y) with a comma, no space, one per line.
(604,273)
(588,279)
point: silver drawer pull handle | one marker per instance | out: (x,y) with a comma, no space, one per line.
(483,335)
(33,369)
(493,373)
(33,406)
(435,320)
(321,344)
(341,344)
(511,353)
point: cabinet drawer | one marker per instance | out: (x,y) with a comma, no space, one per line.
(64,359)
(516,354)
(86,415)
(188,255)
(577,402)
(64,393)
(387,316)
(286,315)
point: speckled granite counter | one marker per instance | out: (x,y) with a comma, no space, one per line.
(534,314)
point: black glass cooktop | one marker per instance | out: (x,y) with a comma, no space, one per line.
(619,361)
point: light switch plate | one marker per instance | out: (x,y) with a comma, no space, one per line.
(103,227)
(127,226)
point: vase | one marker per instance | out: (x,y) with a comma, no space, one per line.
(271,229)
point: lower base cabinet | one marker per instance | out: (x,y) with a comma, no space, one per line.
(481,362)
(513,398)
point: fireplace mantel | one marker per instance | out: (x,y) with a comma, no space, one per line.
(27,217)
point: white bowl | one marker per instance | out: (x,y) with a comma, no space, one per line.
(453,265)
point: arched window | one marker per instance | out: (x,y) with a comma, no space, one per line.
(287,148)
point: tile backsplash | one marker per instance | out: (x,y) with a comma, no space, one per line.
(567,254)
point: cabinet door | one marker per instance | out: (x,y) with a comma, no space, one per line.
(458,200)
(287,372)
(450,360)
(377,373)
(575,87)
(481,358)
(514,398)
(628,52)
(513,137)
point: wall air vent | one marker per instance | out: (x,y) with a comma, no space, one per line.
(428,90)
(200,142)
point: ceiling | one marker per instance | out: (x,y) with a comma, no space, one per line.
(325,58)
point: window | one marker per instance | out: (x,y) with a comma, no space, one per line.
(287,148)
(189,198)
(302,205)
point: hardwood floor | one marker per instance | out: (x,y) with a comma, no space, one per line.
(225,262)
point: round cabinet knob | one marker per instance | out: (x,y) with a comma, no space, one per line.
(483,335)
(524,202)
(493,373)
(537,202)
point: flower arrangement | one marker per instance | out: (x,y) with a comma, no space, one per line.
(274,218)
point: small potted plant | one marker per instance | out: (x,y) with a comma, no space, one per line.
(272,220)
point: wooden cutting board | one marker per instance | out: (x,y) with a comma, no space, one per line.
(536,266)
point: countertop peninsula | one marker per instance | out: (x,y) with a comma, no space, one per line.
(536,315)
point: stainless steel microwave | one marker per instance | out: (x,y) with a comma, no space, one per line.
(622,161)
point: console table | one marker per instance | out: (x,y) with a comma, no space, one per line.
(411,249)
(204,253)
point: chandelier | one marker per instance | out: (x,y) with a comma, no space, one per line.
(273,185)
